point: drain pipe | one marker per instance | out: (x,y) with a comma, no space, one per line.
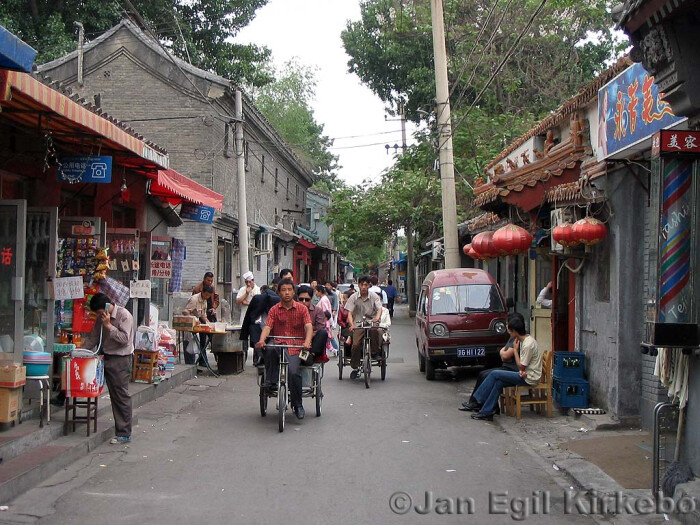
(81,37)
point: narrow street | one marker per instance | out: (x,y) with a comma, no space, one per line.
(204,454)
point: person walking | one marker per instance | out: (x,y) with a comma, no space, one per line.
(391,294)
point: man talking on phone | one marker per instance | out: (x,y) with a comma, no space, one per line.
(114,331)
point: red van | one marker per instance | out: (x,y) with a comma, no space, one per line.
(460,320)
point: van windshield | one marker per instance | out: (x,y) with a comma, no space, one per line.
(466,298)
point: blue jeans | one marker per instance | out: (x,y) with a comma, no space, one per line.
(489,391)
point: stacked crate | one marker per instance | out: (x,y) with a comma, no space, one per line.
(569,387)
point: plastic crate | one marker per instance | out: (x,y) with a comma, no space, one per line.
(570,393)
(569,364)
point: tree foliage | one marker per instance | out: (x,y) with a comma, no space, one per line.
(287,105)
(390,49)
(196,30)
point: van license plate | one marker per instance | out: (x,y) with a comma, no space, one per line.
(472,351)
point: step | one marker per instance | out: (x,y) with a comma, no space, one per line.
(29,453)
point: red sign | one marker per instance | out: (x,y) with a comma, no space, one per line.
(668,141)
(161,269)
(6,256)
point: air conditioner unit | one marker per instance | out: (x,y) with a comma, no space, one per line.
(263,242)
(558,217)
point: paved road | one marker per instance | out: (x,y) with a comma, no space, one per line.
(204,455)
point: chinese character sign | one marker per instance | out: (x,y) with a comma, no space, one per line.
(140,289)
(161,269)
(675,141)
(85,169)
(630,109)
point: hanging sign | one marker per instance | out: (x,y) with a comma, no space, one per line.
(140,289)
(668,141)
(65,288)
(630,110)
(85,169)
(197,213)
(161,269)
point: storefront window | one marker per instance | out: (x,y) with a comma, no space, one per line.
(224,266)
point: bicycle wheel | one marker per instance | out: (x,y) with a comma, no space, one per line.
(341,358)
(263,402)
(367,362)
(383,367)
(282,405)
(319,395)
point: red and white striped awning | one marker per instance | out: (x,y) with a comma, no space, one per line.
(176,187)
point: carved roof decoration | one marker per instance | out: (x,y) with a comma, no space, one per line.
(584,96)
(565,192)
(482,221)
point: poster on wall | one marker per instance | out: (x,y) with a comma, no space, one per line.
(631,110)
(161,269)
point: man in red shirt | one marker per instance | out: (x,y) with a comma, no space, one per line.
(287,318)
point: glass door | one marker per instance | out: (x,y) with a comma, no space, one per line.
(13,218)
(39,270)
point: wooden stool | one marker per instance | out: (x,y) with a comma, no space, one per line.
(43,381)
(72,404)
(144,366)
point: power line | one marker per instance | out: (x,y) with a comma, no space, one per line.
(498,69)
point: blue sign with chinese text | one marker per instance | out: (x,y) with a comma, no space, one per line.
(197,213)
(85,169)
(630,109)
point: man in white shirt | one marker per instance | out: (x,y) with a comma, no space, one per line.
(374,281)
(246,293)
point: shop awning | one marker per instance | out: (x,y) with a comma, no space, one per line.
(15,54)
(28,102)
(176,187)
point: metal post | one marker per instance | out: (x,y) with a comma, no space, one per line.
(410,273)
(243,235)
(447,173)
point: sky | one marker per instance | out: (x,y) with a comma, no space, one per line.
(310,31)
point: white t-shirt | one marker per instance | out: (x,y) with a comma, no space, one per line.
(241,293)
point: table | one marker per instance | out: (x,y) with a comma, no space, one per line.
(202,354)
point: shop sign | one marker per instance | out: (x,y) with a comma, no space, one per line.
(6,257)
(161,269)
(630,110)
(197,213)
(670,141)
(85,169)
(65,288)
(140,289)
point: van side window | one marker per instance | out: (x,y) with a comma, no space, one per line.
(421,303)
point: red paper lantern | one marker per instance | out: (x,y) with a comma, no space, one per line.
(466,249)
(469,251)
(511,240)
(564,235)
(589,231)
(482,244)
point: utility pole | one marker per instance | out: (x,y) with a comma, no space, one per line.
(243,235)
(447,167)
(81,39)
(410,267)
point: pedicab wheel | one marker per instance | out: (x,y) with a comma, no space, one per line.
(319,398)
(263,402)
(282,405)
(367,367)
(341,358)
(384,367)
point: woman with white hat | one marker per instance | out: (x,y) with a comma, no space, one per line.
(246,293)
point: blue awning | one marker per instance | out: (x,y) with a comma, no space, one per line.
(15,54)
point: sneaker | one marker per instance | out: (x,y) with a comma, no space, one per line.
(119,440)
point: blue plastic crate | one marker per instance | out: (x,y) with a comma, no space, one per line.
(569,364)
(570,393)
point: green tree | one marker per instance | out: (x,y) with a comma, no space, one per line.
(287,105)
(196,30)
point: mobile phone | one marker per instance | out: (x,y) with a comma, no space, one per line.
(108,307)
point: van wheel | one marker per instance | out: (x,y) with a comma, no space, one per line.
(421,362)
(429,369)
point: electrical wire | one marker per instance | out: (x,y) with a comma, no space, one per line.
(510,52)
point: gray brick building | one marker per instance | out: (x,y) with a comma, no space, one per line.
(191,113)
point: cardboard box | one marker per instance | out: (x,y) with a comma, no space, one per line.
(9,404)
(184,322)
(13,375)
